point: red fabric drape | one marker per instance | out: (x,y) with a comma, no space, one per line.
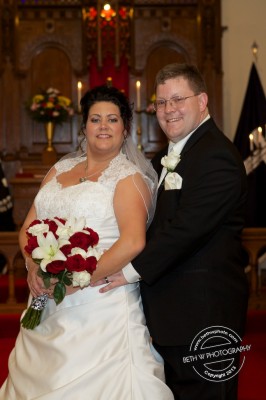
(119,75)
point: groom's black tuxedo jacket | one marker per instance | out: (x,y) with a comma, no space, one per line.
(192,267)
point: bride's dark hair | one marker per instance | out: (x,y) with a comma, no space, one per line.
(129,149)
(109,94)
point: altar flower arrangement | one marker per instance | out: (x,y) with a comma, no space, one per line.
(150,107)
(50,106)
(65,250)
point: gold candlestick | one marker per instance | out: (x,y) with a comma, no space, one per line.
(139,130)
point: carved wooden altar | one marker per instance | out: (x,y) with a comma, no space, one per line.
(49,43)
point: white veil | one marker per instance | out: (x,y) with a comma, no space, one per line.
(134,155)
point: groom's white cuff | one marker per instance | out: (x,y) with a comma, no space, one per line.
(130,273)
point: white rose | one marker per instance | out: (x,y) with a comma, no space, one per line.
(78,250)
(37,229)
(81,279)
(170,161)
(172,181)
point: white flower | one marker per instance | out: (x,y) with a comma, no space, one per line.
(172,181)
(170,161)
(78,250)
(37,229)
(93,252)
(4,182)
(81,279)
(71,226)
(48,250)
(52,91)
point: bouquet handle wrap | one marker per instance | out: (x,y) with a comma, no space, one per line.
(33,314)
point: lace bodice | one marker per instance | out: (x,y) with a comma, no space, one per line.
(92,200)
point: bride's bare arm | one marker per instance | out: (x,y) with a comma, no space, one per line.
(35,282)
(131,201)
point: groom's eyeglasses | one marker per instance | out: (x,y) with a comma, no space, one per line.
(175,102)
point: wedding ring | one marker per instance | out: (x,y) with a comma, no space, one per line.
(106,280)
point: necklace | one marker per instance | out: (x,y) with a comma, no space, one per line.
(86,177)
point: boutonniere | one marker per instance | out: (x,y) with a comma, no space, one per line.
(172,179)
(170,161)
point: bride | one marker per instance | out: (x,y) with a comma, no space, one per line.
(93,345)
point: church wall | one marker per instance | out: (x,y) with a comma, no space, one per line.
(245,22)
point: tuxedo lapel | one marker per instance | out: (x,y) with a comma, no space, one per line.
(199,132)
(158,167)
(160,188)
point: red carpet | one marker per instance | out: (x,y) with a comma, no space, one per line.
(9,327)
(21,289)
(252,377)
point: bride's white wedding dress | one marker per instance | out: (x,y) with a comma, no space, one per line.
(92,346)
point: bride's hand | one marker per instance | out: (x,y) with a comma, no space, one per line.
(35,282)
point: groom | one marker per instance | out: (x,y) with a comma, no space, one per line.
(192,278)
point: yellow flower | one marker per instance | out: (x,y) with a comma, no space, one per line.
(64,101)
(49,104)
(38,98)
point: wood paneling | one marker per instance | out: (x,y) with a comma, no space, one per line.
(51,68)
(157,59)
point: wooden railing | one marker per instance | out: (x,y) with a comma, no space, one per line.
(253,240)
(9,247)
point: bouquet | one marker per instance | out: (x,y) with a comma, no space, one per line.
(64,250)
(50,106)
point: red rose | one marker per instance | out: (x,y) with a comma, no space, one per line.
(66,249)
(81,240)
(94,237)
(76,263)
(52,226)
(31,245)
(91,263)
(55,267)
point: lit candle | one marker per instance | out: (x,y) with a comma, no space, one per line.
(138,94)
(251,143)
(259,135)
(109,81)
(79,95)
